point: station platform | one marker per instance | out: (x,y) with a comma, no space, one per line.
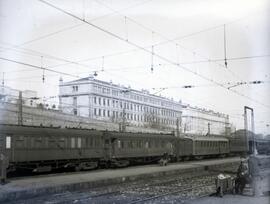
(28,187)
(229,199)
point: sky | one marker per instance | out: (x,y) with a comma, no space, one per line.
(116,39)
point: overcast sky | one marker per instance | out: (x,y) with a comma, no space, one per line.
(182,31)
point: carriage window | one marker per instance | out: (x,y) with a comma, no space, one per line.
(38,142)
(20,142)
(118,144)
(61,142)
(97,142)
(8,142)
(162,143)
(90,140)
(72,142)
(79,144)
(84,144)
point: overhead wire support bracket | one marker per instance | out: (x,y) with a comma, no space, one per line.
(102,66)
(43,70)
(152,59)
(225,48)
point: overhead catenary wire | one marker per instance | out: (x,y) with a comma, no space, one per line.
(37,67)
(132,50)
(168,40)
(44,55)
(229,84)
(146,50)
(74,26)
(172,41)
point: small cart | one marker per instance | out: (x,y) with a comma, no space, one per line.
(224,184)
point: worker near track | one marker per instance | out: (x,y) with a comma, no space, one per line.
(241,178)
(3,166)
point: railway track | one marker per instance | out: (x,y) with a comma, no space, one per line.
(144,192)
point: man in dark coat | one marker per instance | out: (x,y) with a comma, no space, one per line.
(241,179)
(3,168)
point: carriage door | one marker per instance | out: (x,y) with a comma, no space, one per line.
(107,147)
(3,155)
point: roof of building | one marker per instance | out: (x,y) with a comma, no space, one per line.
(92,79)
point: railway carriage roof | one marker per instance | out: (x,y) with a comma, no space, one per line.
(62,132)
(205,138)
(140,135)
(29,130)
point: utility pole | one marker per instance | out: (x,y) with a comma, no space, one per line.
(124,119)
(122,127)
(20,109)
(178,126)
(208,131)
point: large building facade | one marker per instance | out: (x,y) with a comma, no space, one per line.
(201,121)
(89,97)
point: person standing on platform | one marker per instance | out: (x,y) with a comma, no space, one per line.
(241,179)
(3,169)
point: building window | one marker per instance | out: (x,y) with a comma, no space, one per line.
(75,112)
(104,113)
(108,113)
(95,111)
(104,102)
(99,101)
(95,100)
(108,102)
(99,112)
(74,101)
(75,88)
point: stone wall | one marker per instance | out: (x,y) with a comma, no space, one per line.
(9,114)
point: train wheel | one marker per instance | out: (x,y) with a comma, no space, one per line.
(78,168)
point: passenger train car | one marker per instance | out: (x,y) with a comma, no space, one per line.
(42,149)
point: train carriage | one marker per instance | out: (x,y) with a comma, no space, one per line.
(183,148)
(207,146)
(139,147)
(42,149)
(238,142)
(200,147)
